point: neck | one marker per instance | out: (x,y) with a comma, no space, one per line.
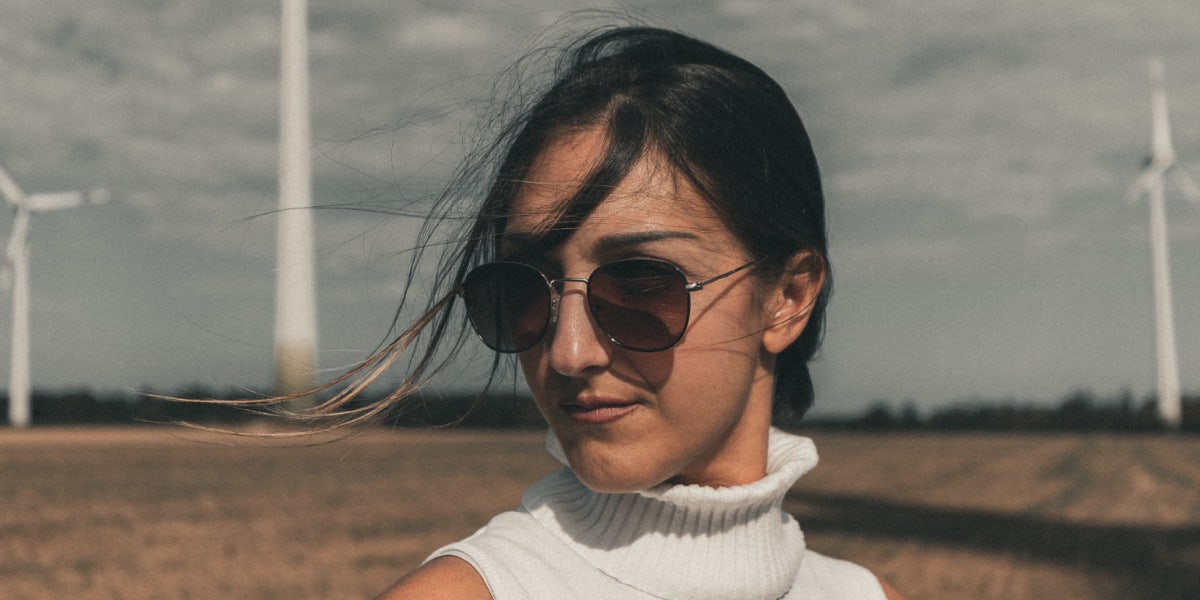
(737,540)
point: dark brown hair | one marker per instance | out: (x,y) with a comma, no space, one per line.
(717,119)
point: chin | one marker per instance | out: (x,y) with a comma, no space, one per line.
(610,478)
(611,485)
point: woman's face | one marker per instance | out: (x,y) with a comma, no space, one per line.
(696,413)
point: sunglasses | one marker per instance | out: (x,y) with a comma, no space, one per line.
(641,304)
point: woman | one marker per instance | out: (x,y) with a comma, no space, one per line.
(653,249)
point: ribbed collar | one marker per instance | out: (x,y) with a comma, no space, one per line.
(685,542)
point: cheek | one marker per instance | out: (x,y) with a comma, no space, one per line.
(532,366)
(709,376)
(535,370)
(718,361)
(652,370)
(731,323)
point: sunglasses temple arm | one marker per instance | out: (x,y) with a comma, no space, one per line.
(699,285)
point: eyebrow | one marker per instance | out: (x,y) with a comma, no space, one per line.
(622,241)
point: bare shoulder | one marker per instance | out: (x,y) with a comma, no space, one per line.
(889,591)
(444,578)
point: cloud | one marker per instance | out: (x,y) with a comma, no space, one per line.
(975,157)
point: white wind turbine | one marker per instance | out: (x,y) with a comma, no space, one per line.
(1162,162)
(295,297)
(15,275)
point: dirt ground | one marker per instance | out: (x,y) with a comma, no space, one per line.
(141,513)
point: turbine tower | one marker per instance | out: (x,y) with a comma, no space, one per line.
(15,276)
(295,303)
(1150,184)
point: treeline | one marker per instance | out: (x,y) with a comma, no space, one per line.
(1080,410)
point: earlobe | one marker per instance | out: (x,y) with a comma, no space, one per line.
(793,299)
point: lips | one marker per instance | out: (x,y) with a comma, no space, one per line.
(598,410)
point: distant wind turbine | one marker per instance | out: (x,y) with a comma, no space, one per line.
(1162,162)
(295,301)
(15,276)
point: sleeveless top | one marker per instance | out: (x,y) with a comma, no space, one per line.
(677,542)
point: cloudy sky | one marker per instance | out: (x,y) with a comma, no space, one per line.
(976,156)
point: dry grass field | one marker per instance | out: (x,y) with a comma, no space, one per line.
(160,513)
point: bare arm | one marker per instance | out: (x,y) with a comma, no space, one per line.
(445,578)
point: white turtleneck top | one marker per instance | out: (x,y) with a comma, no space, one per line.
(678,542)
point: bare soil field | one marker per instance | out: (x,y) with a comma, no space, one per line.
(141,513)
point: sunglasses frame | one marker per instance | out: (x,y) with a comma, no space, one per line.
(556,298)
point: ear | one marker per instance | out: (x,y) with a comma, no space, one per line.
(791,300)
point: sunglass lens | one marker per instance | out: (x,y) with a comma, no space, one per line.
(641,304)
(508,305)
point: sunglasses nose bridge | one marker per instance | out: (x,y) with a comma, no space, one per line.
(557,288)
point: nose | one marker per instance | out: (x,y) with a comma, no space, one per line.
(576,342)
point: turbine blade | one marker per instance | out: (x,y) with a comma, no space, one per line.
(96,196)
(1143,183)
(17,239)
(9,189)
(55,201)
(1186,184)
(18,235)
(64,200)
(1161,146)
